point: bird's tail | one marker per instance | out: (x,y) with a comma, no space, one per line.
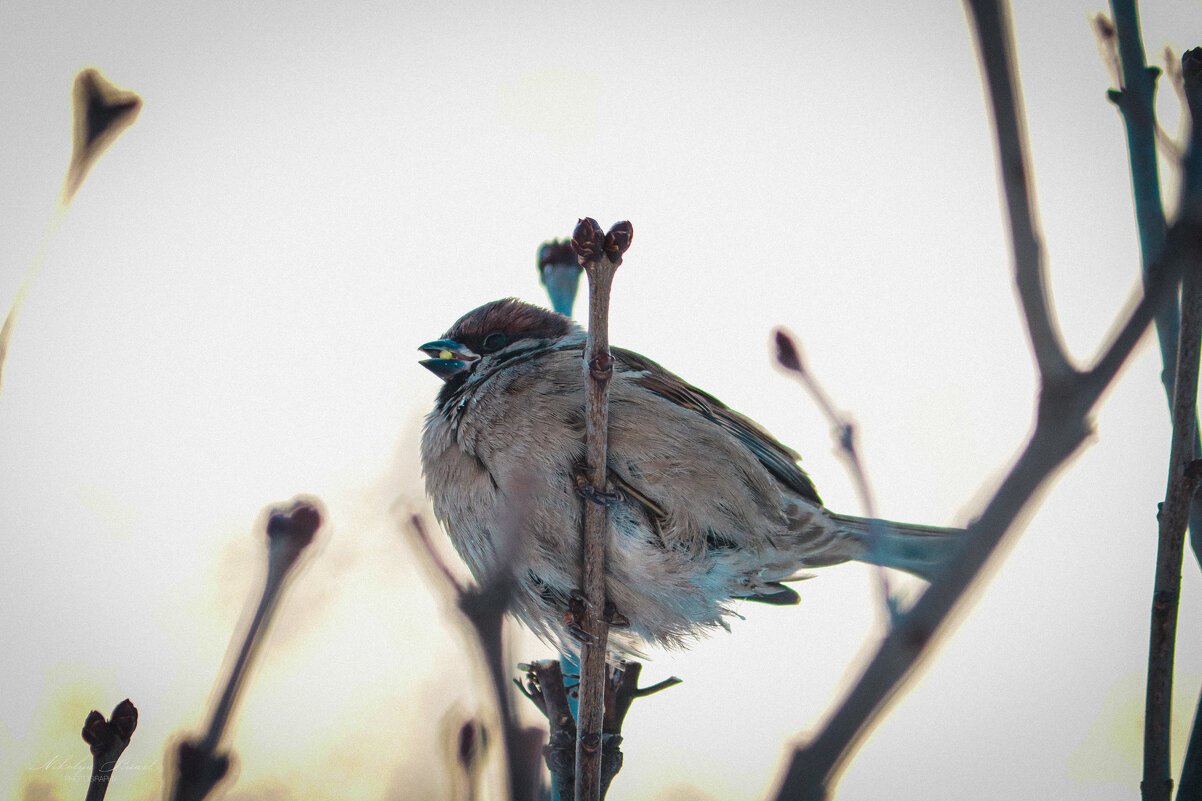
(920,550)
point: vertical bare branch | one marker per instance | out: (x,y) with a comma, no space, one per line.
(1184,473)
(1134,99)
(1157,781)
(599,256)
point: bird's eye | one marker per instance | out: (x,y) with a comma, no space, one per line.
(494,342)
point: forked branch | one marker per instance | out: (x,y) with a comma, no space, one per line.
(1067,398)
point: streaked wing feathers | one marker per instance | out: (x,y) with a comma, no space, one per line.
(780,460)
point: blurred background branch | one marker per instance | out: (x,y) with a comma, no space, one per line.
(484,608)
(100,113)
(1066,399)
(199,765)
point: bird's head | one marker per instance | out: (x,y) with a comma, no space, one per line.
(492,333)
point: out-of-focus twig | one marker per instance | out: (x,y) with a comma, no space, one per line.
(484,608)
(1134,96)
(992,26)
(1067,397)
(788,356)
(100,113)
(1176,81)
(469,746)
(600,256)
(1135,99)
(107,739)
(199,766)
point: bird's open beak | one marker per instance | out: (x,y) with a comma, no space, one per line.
(448,357)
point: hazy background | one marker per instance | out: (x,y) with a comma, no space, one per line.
(229,316)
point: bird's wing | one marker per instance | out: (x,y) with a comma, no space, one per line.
(780,460)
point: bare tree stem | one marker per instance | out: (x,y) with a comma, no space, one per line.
(600,257)
(1157,781)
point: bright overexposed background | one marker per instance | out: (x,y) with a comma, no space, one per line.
(229,314)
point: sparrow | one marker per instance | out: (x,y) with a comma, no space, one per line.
(706,508)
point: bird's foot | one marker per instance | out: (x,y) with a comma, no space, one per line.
(595,495)
(613,617)
(573,619)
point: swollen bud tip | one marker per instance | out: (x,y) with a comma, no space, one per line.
(125,718)
(94,728)
(470,743)
(298,523)
(1104,26)
(588,240)
(618,240)
(290,530)
(787,354)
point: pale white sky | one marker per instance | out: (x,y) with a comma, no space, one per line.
(229,316)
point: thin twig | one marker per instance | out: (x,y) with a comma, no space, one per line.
(599,256)
(788,356)
(470,746)
(1067,398)
(100,113)
(418,526)
(994,43)
(484,608)
(199,766)
(1157,781)
(1181,507)
(624,689)
(107,740)
(1135,100)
